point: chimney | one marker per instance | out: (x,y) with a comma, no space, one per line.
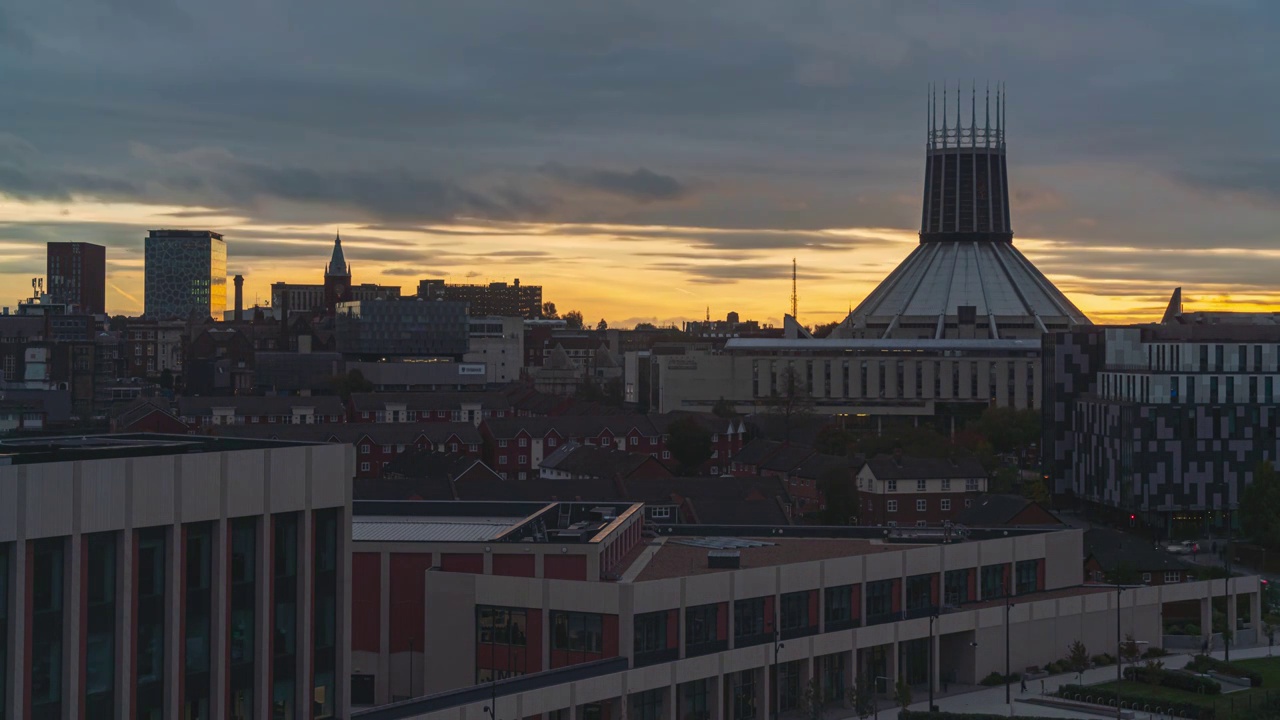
(239,280)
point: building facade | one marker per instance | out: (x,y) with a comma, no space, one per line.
(415,328)
(915,491)
(186,274)
(498,342)
(337,288)
(1167,422)
(160,576)
(701,625)
(76,275)
(496,299)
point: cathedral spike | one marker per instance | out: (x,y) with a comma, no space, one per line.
(973,113)
(958,125)
(944,114)
(987,117)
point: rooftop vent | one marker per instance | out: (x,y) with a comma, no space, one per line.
(724,559)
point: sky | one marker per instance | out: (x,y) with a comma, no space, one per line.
(647,161)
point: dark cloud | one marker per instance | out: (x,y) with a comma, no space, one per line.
(642,185)
(725,273)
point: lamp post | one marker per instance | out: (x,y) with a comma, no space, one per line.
(875,700)
(1008,691)
(932,616)
(1119,653)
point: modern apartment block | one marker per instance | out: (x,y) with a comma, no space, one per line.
(373,329)
(592,618)
(186,273)
(1167,422)
(76,275)
(162,576)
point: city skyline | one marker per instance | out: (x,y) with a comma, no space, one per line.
(639,170)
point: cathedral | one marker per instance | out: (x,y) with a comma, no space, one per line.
(337,288)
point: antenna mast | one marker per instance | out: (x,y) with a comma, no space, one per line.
(795,301)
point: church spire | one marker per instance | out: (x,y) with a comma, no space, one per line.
(338,263)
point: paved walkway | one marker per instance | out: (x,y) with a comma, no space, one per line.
(992,700)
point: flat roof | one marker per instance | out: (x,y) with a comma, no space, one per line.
(416,529)
(68,448)
(879,344)
(673,559)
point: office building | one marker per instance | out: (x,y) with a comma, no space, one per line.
(498,342)
(495,299)
(416,328)
(337,287)
(186,274)
(568,610)
(953,329)
(1166,422)
(76,275)
(169,576)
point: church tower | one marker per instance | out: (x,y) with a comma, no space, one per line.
(337,277)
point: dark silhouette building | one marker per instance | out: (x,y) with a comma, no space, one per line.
(337,288)
(76,275)
(493,300)
(337,277)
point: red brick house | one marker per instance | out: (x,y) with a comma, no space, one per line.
(428,407)
(1108,551)
(1006,510)
(897,490)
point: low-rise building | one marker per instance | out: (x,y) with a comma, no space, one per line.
(904,490)
(425,407)
(572,461)
(1115,556)
(202,412)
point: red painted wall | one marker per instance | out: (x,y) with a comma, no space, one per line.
(1040,574)
(366,601)
(813,608)
(895,595)
(564,567)
(515,565)
(933,590)
(973,583)
(768,614)
(408,594)
(673,629)
(855,603)
(533,640)
(462,562)
(722,621)
(609,643)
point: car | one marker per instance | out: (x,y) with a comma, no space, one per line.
(1186,547)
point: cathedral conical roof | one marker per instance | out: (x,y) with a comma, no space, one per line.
(965,279)
(338,263)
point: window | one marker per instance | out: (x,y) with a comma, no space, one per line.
(646,705)
(922,505)
(576,632)
(364,467)
(1027,576)
(634,440)
(879,600)
(993,581)
(795,611)
(891,506)
(748,622)
(364,449)
(386,449)
(502,459)
(700,625)
(968,502)
(970,486)
(502,442)
(919,592)
(891,486)
(666,454)
(1172,576)
(523,459)
(945,504)
(501,627)
(946,484)
(921,523)
(524,442)
(839,605)
(551,442)
(650,632)
(956,587)
(660,513)
(453,447)
(922,485)
(1146,577)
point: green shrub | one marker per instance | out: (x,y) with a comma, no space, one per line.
(1155,652)
(1204,664)
(996,678)
(1103,697)
(1104,659)
(1173,679)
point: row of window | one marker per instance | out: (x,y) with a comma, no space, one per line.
(923,505)
(365,449)
(970,485)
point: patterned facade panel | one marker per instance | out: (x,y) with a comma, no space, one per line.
(186,272)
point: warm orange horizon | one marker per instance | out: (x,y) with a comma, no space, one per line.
(625,274)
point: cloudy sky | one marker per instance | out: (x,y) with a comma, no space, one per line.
(640,160)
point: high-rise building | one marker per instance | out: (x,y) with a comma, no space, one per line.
(378,328)
(186,274)
(1166,422)
(76,275)
(496,299)
(165,576)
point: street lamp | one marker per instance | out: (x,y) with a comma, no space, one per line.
(875,700)
(932,616)
(1119,654)
(777,675)
(1008,691)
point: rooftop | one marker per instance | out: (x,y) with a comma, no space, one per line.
(485,521)
(30,451)
(675,559)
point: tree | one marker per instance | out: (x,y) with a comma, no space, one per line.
(1036,490)
(602,325)
(573,320)
(863,699)
(646,326)
(842,500)
(166,379)
(832,440)
(1129,651)
(353,382)
(689,443)
(724,409)
(549,311)
(789,399)
(811,699)
(1260,507)
(1124,573)
(1078,658)
(903,695)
